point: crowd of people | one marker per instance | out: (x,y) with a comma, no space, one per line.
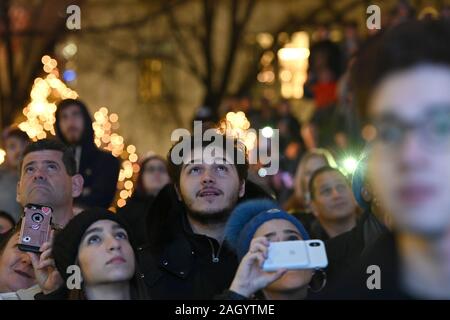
(201,229)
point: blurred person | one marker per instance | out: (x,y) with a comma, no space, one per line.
(325,68)
(14,142)
(100,169)
(401,83)
(101,245)
(253,225)
(6,222)
(312,160)
(332,204)
(345,249)
(152,177)
(185,257)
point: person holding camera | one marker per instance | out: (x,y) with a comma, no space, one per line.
(47,177)
(253,225)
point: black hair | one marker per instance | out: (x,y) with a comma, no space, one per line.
(50,144)
(15,132)
(5,237)
(318,172)
(405,46)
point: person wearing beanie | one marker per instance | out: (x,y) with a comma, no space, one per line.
(345,249)
(363,191)
(101,245)
(249,231)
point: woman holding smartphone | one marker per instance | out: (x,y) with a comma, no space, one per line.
(98,244)
(250,229)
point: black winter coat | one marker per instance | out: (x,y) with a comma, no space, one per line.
(178,264)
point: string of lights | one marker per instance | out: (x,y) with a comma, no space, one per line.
(40,120)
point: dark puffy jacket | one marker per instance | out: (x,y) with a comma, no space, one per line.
(178,264)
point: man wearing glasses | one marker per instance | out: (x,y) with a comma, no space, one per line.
(402,85)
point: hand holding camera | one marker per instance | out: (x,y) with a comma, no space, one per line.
(47,276)
(250,277)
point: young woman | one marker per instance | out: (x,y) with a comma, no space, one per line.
(250,229)
(152,177)
(98,244)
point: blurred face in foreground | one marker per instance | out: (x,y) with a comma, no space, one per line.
(410,161)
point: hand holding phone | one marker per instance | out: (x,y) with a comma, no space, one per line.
(35,228)
(296,255)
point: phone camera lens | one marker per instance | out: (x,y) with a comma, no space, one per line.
(314,244)
(26,239)
(37,217)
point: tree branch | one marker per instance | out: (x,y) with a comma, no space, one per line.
(181,43)
(236,30)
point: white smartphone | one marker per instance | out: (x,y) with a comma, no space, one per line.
(296,255)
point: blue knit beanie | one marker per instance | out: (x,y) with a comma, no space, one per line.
(247,217)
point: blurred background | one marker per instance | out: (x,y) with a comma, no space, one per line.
(145,68)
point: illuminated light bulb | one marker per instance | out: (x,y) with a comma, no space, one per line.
(47,68)
(121,203)
(46,59)
(113,117)
(53,63)
(128,185)
(104,111)
(131,149)
(136,168)
(41,135)
(128,174)
(123,194)
(69,50)
(133,157)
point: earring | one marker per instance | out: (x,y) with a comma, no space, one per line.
(323,276)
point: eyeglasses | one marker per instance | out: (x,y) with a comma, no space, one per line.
(433,129)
